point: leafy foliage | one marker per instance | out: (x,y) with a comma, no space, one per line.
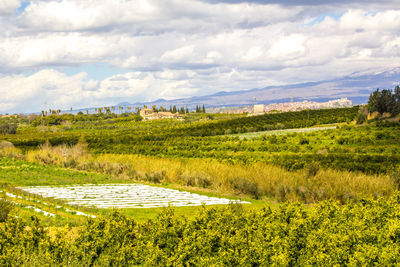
(363,233)
(7,128)
(5,209)
(385,101)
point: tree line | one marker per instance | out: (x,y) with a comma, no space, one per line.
(385,101)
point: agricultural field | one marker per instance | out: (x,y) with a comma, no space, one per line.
(52,192)
(124,196)
(203,190)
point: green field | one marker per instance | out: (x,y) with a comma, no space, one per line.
(304,173)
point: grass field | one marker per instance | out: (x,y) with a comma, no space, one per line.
(17,177)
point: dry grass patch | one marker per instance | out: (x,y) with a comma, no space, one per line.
(256,180)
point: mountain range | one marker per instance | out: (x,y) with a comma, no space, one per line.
(356,87)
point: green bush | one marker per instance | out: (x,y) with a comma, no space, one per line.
(245,186)
(154,177)
(8,128)
(5,208)
(364,233)
(312,169)
(195,180)
(396,178)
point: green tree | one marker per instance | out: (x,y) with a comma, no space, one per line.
(385,100)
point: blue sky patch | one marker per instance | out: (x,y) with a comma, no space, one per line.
(319,19)
(24,5)
(97,71)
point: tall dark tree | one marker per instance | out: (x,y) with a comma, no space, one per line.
(204,109)
(396,96)
(385,100)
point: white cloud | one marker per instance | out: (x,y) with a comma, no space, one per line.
(29,93)
(9,6)
(180,48)
(289,47)
(147,16)
(178,55)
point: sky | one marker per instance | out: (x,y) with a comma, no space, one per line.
(86,53)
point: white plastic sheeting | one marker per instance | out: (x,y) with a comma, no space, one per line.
(125,196)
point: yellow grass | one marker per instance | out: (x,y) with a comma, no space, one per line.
(248,180)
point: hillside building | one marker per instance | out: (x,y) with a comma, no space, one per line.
(149,114)
(258,109)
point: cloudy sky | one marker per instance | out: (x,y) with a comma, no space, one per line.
(82,53)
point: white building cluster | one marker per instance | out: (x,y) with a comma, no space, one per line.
(295,106)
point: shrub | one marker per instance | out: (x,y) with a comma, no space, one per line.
(273,139)
(268,127)
(362,115)
(5,208)
(8,128)
(303,141)
(154,177)
(246,187)
(396,177)
(312,169)
(228,131)
(196,180)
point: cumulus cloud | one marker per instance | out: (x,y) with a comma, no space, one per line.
(146,17)
(303,2)
(29,93)
(181,48)
(8,6)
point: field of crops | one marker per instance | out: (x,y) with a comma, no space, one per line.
(125,196)
(370,149)
(65,177)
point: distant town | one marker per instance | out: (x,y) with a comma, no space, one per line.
(284,107)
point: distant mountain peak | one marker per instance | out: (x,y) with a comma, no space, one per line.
(356,87)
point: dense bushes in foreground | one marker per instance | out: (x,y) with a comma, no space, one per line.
(363,233)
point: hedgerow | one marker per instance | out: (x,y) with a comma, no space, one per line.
(362,233)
